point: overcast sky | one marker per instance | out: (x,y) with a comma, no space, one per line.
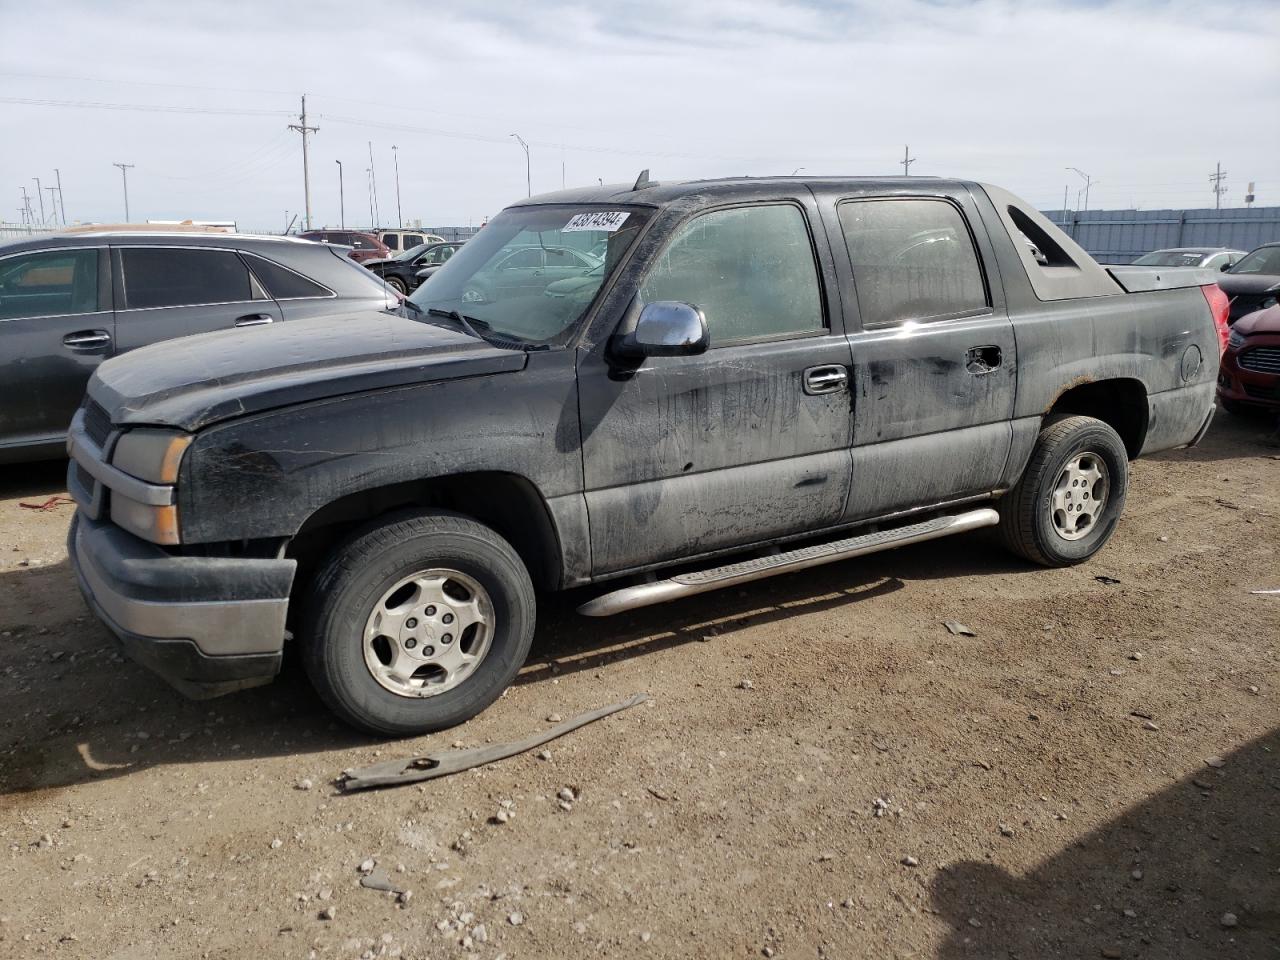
(1144,96)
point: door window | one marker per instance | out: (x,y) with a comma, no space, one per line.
(523,259)
(176,277)
(411,240)
(51,283)
(750,270)
(912,260)
(392,241)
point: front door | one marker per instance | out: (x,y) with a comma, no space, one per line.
(934,360)
(746,442)
(163,292)
(56,326)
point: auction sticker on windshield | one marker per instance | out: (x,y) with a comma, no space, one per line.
(604,220)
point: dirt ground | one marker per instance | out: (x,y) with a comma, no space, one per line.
(1095,773)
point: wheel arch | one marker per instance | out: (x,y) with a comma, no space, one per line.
(1119,402)
(511,504)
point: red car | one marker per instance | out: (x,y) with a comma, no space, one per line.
(364,246)
(1250,372)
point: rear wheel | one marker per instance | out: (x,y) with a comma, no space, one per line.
(418,623)
(1071,494)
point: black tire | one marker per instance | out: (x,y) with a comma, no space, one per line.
(398,284)
(1237,409)
(1026,521)
(356,576)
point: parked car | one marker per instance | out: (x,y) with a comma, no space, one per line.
(1253,283)
(359,246)
(1250,376)
(1215,258)
(69,302)
(527,268)
(398,241)
(766,368)
(407,270)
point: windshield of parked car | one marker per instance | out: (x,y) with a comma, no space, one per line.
(411,252)
(1170,258)
(1264,260)
(510,275)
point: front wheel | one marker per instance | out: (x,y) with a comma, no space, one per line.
(398,285)
(418,623)
(1071,494)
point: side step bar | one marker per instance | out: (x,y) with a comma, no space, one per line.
(730,575)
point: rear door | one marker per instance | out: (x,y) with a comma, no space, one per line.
(56,326)
(164,292)
(934,358)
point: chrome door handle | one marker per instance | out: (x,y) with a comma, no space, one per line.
(87,338)
(828,378)
(254,320)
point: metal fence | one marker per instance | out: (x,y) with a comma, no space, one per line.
(21,231)
(1121,236)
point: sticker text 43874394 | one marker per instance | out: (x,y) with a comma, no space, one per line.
(604,220)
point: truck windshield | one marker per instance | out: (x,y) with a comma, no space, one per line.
(531,273)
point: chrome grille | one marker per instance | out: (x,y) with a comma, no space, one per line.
(97,423)
(1261,360)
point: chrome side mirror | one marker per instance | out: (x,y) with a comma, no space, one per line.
(666,328)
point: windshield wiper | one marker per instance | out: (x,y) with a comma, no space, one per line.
(478,328)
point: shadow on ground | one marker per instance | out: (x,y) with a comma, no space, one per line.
(1207,846)
(74,707)
(42,479)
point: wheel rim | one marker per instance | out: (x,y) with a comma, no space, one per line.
(428,633)
(398,284)
(1080,496)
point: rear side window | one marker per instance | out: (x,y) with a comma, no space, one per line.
(392,241)
(174,277)
(281,282)
(49,284)
(412,240)
(750,270)
(912,260)
(362,242)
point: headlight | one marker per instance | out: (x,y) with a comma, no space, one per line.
(1236,340)
(151,455)
(1267,302)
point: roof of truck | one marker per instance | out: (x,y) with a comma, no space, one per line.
(655,193)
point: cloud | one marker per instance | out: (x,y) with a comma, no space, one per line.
(1145,96)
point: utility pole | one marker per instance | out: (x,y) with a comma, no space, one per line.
(124,176)
(40,197)
(368,182)
(1088,182)
(342,200)
(61,206)
(395,154)
(907,161)
(303,129)
(528,171)
(30,217)
(1064,203)
(1216,179)
(53,205)
(373,187)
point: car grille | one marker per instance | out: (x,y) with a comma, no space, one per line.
(97,423)
(1261,360)
(1262,391)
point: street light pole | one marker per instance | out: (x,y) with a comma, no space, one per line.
(61,206)
(368,176)
(1088,182)
(342,202)
(528,171)
(395,154)
(40,197)
(124,176)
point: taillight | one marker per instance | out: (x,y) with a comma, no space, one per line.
(1219,306)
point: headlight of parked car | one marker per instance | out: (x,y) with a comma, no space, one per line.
(1236,340)
(1267,302)
(153,456)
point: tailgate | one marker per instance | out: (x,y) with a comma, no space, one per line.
(1147,279)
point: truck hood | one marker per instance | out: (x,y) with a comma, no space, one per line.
(195,381)
(1235,284)
(1263,321)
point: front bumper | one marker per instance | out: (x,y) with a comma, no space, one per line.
(207,625)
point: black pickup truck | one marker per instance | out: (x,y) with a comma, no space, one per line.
(755,376)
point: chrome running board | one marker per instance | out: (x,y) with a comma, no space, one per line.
(730,575)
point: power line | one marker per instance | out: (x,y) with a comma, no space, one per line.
(145,107)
